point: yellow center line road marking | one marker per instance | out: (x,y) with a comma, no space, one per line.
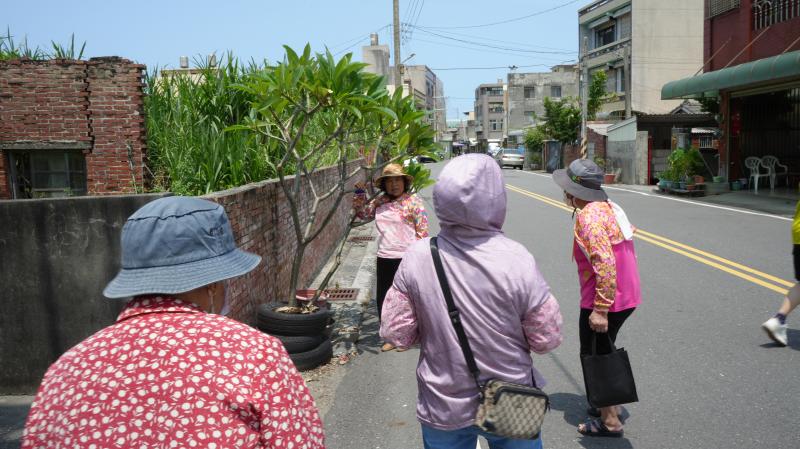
(718,259)
(735,269)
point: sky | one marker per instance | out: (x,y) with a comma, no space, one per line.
(453,37)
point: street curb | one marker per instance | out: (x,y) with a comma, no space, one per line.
(357,270)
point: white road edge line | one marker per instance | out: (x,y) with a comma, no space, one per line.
(696,203)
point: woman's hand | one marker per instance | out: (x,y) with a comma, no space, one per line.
(598,321)
(360,196)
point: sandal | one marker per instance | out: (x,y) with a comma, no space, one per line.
(596,428)
(623,414)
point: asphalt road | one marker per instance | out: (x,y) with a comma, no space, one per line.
(707,375)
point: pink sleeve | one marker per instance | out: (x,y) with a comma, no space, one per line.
(542,326)
(398,320)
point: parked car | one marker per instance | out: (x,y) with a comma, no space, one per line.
(512,157)
(424,159)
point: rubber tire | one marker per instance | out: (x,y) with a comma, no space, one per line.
(278,323)
(308,360)
(300,343)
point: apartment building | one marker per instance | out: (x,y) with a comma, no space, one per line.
(640,44)
(526,94)
(490,114)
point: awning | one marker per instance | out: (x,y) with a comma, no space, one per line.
(742,75)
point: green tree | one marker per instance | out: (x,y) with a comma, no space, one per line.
(313,110)
(534,138)
(563,119)
(597,92)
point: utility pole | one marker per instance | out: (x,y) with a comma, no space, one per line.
(398,66)
(584,89)
(627,75)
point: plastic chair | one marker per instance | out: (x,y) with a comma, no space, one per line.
(770,163)
(754,165)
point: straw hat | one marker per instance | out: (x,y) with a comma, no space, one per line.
(393,170)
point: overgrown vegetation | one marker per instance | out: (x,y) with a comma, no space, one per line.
(187,112)
(9,49)
(597,94)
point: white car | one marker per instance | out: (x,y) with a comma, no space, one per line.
(513,157)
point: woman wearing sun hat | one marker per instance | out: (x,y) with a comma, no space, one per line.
(401,220)
(172,371)
(607,270)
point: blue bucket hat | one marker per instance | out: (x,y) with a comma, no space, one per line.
(177,244)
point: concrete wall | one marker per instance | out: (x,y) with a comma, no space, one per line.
(667,44)
(56,256)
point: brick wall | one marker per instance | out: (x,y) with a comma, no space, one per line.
(262,223)
(599,141)
(95,106)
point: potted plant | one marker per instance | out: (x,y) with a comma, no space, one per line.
(311,111)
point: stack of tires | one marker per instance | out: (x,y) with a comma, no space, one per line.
(303,335)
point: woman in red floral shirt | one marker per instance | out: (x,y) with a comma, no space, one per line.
(172,371)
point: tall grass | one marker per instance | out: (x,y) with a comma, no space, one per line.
(10,50)
(186,113)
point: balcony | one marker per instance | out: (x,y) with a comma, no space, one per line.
(769,12)
(609,48)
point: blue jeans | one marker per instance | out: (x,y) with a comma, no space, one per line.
(467,438)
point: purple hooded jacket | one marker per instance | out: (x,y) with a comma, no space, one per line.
(506,306)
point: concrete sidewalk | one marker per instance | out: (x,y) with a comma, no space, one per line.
(780,202)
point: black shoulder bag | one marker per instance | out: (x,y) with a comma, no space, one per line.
(506,409)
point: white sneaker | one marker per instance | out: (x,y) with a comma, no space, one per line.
(775,330)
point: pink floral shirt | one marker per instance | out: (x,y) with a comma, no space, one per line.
(400,223)
(169,375)
(604,256)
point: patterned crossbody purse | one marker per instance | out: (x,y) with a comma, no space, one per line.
(506,409)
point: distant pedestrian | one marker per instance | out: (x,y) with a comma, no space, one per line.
(172,372)
(607,270)
(504,303)
(401,220)
(776,326)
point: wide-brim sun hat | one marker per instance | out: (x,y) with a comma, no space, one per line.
(583,179)
(177,244)
(393,170)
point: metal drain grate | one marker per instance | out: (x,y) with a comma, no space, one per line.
(342,294)
(362,238)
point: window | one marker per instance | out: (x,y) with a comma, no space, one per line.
(604,36)
(555,91)
(48,174)
(530,116)
(495,107)
(530,92)
(717,7)
(496,125)
(620,79)
(494,91)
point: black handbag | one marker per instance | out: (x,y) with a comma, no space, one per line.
(608,378)
(506,409)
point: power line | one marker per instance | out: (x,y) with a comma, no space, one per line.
(478,49)
(510,67)
(516,19)
(497,47)
(452,33)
